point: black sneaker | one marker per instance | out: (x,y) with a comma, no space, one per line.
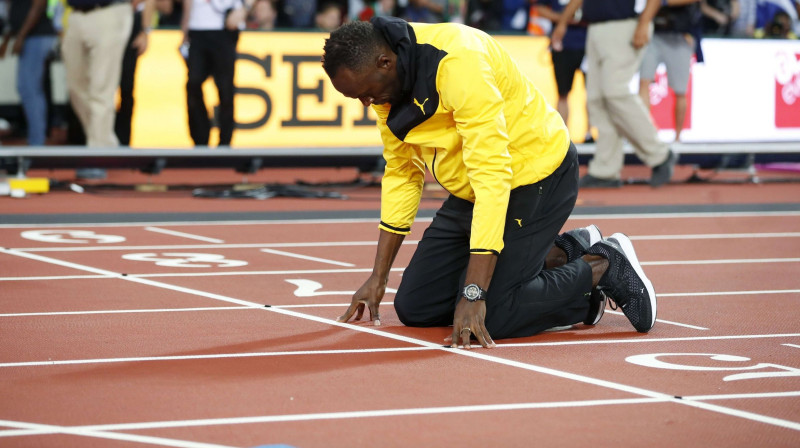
(576,242)
(589,181)
(663,173)
(597,306)
(625,283)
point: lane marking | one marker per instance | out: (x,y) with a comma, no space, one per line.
(756,214)
(68,362)
(475,354)
(668,322)
(358,351)
(183,234)
(207,246)
(714,236)
(306,257)
(162,310)
(393,413)
(729,293)
(53,277)
(223,245)
(140,426)
(791,345)
(732,261)
(37,428)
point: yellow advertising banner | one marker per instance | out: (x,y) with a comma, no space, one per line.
(284,98)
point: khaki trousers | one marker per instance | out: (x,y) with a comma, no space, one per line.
(613,108)
(93,46)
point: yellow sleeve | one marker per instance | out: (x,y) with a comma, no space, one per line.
(470,91)
(401,185)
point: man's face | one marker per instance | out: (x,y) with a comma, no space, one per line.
(376,84)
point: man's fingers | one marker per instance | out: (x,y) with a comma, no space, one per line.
(466,333)
(484,338)
(349,313)
(374,315)
(360,313)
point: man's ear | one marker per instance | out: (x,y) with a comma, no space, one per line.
(384,62)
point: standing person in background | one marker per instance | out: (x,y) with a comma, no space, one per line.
(329,17)
(35,39)
(615,41)
(137,45)
(93,45)
(676,32)
(569,59)
(719,16)
(211,29)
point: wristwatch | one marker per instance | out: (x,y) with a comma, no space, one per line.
(473,292)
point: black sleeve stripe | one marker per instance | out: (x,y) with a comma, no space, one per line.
(396,229)
(484,251)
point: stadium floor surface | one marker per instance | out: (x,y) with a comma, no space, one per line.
(159,319)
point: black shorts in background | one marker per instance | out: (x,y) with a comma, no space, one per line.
(565,63)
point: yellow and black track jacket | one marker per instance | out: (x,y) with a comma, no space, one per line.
(472,117)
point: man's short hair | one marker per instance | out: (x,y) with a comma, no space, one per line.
(354,46)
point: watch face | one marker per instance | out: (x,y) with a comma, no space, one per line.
(472,292)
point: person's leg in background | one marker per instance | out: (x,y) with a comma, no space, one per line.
(111,28)
(678,58)
(606,164)
(625,109)
(122,124)
(30,85)
(75,53)
(223,70)
(199,67)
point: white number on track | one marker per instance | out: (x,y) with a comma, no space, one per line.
(774,370)
(70,237)
(186,260)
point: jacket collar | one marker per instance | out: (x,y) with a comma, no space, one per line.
(402,40)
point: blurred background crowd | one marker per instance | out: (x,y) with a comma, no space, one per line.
(36,32)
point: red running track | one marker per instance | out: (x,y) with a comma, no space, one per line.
(157,335)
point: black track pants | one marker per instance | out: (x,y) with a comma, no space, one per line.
(523,298)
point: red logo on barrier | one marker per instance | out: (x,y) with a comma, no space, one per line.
(662,101)
(787,90)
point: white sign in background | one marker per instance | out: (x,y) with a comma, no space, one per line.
(734,95)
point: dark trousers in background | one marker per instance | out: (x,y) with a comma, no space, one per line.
(211,53)
(122,124)
(523,299)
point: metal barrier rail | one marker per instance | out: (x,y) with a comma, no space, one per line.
(19,159)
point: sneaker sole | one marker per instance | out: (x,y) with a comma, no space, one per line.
(594,235)
(627,249)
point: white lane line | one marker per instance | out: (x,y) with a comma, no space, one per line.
(794,393)
(714,236)
(306,257)
(729,293)
(183,235)
(53,277)
(475,354)
(163,310)
(626,216)
(359,351)
(668,322)
(223,245)
(207,246)
(652,340)
(732,261)
(395,413)
(67,362)
(791,345)
(36,428)
(366,414)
